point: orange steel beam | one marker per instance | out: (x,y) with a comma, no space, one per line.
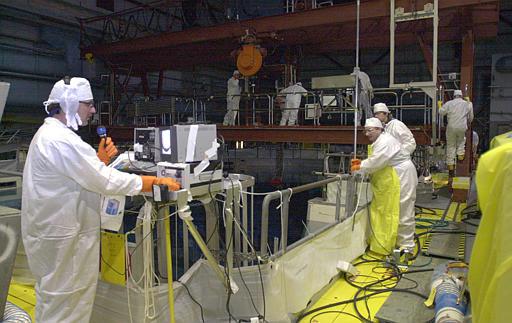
(302,134)
(466,81)
(329,25)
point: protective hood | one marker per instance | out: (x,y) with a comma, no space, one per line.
(68,97)
(373,122)
(380,107)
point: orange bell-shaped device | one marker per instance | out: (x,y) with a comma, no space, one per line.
(249,60)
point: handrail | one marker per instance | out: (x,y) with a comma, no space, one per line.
(197,105)
(285,194)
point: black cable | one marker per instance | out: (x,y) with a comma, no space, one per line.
(379,291)
(447,232)
(357,298)
(301,316)
(248,291)
(422,210)
(109,265)
(334,312)
(399,275)
(193,299)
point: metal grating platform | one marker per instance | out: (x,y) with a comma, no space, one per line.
(447,245)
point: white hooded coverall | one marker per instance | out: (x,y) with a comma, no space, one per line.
(60,219)
(387,151)
(459,112)
(365,95)
(294,95)
(233,101)
(401,132)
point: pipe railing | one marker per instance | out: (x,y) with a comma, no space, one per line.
(285,196)
(200,108)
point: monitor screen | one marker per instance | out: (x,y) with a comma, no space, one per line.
(166,141)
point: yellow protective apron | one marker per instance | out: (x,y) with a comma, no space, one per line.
(490,269)
(384,209)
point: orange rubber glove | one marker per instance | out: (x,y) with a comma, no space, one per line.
(149,181)
(106,150)
(355,165)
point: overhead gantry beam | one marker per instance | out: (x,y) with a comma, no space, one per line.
(320,30)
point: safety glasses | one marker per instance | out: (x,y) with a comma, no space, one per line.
(90,103)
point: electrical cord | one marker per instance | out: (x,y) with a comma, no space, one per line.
(193,299)
(248,291)
(398,274)
(422,209)
(110,266)
(446,232)
(301,316)
(334,312)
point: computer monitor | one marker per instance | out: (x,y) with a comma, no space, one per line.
(187,143)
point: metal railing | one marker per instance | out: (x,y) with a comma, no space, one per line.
(262,109)
(284,196)
(13,136)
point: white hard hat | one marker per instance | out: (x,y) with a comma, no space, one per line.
(457,93)
(373,123)
(299,83)
(380,107)
(68,97)
(235,72)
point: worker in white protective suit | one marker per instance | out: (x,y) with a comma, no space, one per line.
(365,94)
(459,113)
(232,99)
(387,151)
(395,127)
(294,95)
(60,222)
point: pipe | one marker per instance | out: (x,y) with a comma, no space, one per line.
(285,193)
(170,290)
(357,80)
(10,172)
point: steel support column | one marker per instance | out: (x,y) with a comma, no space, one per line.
(466,81)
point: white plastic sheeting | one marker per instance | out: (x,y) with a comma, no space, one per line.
(332,191)
(290,281)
